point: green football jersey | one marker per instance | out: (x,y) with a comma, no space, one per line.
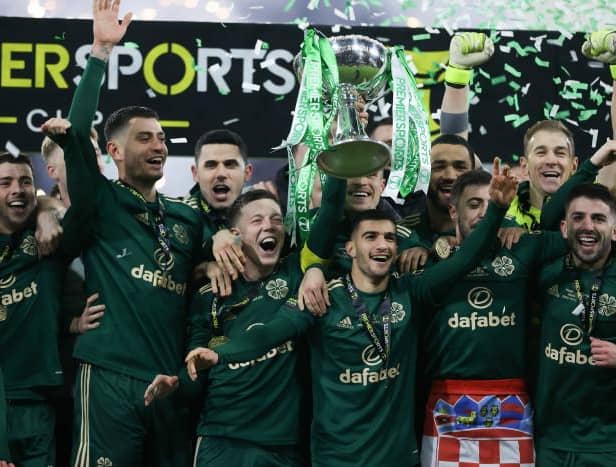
(213,220)
(143,286)
(358,397)
(574,401)
(478,330)
(257,400)
(29,317)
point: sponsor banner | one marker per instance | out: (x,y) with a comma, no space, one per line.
(201,76)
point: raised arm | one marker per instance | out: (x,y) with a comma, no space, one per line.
(437,280)
(466,51)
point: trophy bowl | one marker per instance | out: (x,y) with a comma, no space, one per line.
(362,63)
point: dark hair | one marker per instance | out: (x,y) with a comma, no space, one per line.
(594,191)
(118,119)
(373,125)
(456,141)
(470,178)
(371,215)
(7,157)
(246,198)
(221,137)
(548,125)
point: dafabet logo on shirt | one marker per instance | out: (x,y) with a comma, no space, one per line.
(572,336)
(371,358)
(481,298)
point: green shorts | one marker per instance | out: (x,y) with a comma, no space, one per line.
(114,428)
(547,457)
(214,451)
(30,429)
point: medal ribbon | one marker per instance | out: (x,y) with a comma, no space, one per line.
(361,309)
(160,229)
(589,303)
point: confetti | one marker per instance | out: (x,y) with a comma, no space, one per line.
(574,57)
(131,45)
(12,149)
(586,114)
(76,80)
(498,80)
(279,98)
(506,33)
(542,63)
(482,130)
(230,121)
(151,94)
(340,14)
(198,42)
(178,140)
(420,37)
(60,37)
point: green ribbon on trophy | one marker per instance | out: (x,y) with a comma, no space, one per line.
(311,126)
(410,162)
(340,71)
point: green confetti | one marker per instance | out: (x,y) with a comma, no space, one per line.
(559,42)
(565,70)
(521,51)
(131,45)
(511,117)
(513,85)
(198,42)
(570,95)
(577,106)
(515,157)
(586,114)
(562,115)
(421,37)
(289,5)
(264,45)
(542,63)
(520,121)
(596,97)
(577,85)
(279,98)
(483,73)
(498,80)
(60,38)
(512,70)
(557,80)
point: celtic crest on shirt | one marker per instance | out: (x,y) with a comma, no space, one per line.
(607,305)
(503,266)
(277,288)
(397,312)
(28,246)
(180,233)
(104,462)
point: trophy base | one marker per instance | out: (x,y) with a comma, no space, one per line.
(354,158)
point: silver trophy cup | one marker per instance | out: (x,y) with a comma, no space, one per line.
(361,66)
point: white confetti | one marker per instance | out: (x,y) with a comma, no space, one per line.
(377,14)
(436,115)
(383,39)
(373,108)
(255,7)
(340,14)
(595,133)
(593,64)
(482,130)
(554,111)
(351,13)
(433,30)
(572,122)
(538,41)
(475,100)
(151,94)
(230,121)
(12,149)
(76,80)
(506,33)
(249,87)
(178,140)
(336,28)
(574,57)
(525,89)
(258,46)
(606,87)
(504,49)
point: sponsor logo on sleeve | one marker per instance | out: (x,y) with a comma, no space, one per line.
(282,349)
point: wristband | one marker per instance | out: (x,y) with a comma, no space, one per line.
(613,71)
(459,76)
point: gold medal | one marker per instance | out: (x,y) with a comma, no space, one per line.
(442,248)
(217,340)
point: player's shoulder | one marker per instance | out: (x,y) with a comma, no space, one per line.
(411,221)
(205,289)
(177,207)
(403,231)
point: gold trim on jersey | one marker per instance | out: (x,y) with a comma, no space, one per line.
(334,284)
(403,231)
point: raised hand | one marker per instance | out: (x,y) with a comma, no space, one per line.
(503,186)
(601,46)
(313,293)
(108,30)
(469,49)
(605,155)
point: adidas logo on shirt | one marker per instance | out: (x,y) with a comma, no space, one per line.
(345,323)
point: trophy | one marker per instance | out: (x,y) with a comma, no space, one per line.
(362,66)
